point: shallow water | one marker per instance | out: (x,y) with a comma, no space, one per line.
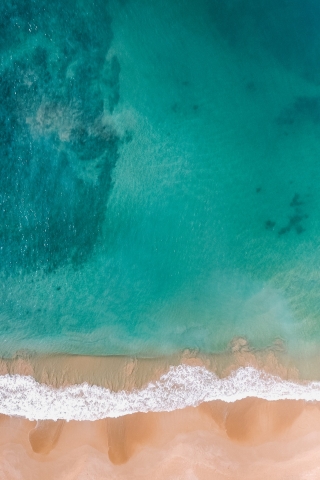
(159,175)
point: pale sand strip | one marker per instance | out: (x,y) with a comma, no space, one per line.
(249,439)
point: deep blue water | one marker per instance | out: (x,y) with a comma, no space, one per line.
(159,180)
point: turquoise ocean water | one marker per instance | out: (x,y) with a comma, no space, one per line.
(160,172)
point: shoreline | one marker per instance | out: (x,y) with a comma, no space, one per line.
(60,387)
(131,372)
(181,387)
(243,438)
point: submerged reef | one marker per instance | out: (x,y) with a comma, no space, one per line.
(58,148)
(296,218)
(303,108)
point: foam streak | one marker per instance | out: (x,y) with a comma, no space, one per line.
(182,386)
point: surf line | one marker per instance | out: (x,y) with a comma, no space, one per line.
(182,386)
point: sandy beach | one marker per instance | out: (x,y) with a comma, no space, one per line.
(246,439)
(249,439)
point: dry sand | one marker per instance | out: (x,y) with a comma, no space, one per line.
(249,439)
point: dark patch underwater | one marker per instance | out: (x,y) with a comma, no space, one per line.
(57,152)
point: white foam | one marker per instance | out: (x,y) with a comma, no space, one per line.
(182,386)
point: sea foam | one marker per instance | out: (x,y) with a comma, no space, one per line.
(182,386)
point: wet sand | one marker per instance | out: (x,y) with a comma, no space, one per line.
(248,439)
(126,373)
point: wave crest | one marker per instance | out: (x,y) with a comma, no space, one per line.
(181,387)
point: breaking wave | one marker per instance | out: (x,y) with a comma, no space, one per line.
(182,386)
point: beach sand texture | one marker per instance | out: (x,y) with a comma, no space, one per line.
(249,439)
